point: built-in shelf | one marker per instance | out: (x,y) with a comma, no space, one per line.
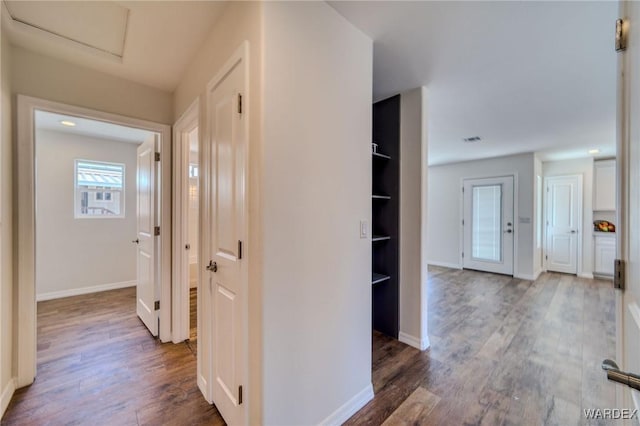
(381,197)
(380,238)
(377,154)
(378,278)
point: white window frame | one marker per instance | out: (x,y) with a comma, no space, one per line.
(76,191)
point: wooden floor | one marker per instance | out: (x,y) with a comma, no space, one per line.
(192,343)
(98,365)
(503,352)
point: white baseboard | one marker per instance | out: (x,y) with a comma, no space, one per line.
(350,407)
(83,290)
(421,344)
(585,275)
(7,393)
(528,277)
(444,264)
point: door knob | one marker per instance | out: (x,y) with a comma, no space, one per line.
(212,266)
(614,374)
(187,246)
(136,241)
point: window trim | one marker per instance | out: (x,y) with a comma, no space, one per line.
(122,214)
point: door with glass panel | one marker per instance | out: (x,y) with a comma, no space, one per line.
(488,224)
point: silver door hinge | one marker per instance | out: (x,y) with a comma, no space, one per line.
(157,156)
(156,306)
(239,249)
(620,36)
(618,274)
(239,104)
(156,230)
(239,395)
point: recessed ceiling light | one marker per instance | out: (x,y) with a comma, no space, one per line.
(472,139)
(594,151)
(68,123)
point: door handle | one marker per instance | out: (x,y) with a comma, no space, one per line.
(614,374)
(573,231)
(212,266)
(187,246)
(508,231)
(136,241)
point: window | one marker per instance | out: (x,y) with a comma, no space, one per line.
(99,189)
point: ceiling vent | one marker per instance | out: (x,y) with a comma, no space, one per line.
(472,139)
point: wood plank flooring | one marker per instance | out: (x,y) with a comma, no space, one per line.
(98,365)
(503,352)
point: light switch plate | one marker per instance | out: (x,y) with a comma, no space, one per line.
(363,229)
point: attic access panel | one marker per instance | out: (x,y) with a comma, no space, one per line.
(97,25)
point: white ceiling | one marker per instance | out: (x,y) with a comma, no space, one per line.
(92,128)
(150,42)
(524,76)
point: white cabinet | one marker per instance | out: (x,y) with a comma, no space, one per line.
(604,185)
(605,253)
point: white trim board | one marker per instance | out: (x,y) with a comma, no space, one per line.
(444,264)
(83,290)
(7,394)
(420,344)
(350,407)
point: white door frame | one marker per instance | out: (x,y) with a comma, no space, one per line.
(516,225)
(181,129)
(545,203)
(26,258)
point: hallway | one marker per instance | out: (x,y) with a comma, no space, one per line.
(98,365)
(503,351)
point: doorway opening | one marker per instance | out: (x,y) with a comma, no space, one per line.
(99,191)
(186,228)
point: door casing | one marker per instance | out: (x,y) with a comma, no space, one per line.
(180,306)
(26,232)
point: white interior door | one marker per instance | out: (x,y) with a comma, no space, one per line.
(563,223)
(226,226)
(628,165)
(145,239)
(488,229)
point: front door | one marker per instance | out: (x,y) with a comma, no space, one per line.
(563,223)
(226,175)
(488,229)
(145,239)
(628,165)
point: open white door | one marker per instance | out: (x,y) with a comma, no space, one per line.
(628,166)
(146,239)
(226,217)
(488,224)
(563,223)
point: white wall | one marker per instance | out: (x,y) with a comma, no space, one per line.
(445,215)
(7,293)
(55,80)
(75,255)
(317,189)
(413,218)
(239,22)
(584,167)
